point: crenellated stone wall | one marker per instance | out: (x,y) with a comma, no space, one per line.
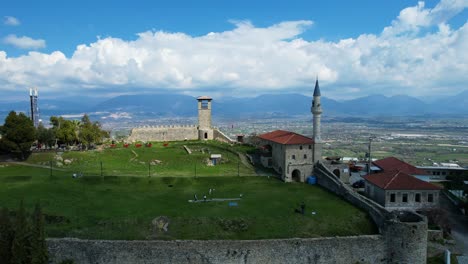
(163,133)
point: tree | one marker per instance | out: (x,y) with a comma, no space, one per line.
(6,236)
(38,244)
(45,136)
(21,247)
(91,132)
(18,134)
(64,130)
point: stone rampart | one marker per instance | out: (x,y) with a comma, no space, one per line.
(163,133)
(403,239)
(357,249)
(405,232)
(329,181)
(220,136)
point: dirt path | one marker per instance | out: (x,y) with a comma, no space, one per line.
(32,165)
(136,155)
(245,161)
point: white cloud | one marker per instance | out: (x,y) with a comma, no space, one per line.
(412,19)
(11,21)
(24,42)
(249,60)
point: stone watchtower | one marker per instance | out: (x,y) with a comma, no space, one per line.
(316,110)
(205,131)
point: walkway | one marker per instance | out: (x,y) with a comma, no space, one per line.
(459,225)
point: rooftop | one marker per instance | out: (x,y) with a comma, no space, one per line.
(286,138)
(398,180)
(204,97)
(392,164)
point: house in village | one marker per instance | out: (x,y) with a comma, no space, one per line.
(396,187)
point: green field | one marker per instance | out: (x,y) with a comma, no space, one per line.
(155,161)
(123,207)
(113,206)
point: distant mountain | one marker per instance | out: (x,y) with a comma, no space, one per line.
(456,104)
(160,104)
(382,105)
(268,105)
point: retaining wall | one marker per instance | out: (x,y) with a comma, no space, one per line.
(358,249)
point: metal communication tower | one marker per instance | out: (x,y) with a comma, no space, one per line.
(34,107)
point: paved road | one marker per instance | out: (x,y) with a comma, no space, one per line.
(459,225)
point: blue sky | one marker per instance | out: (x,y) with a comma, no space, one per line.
(234,48)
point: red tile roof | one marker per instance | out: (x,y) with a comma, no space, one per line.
(286,138)
(398,180)
(392,164)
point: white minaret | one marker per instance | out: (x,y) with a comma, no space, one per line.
(316,112)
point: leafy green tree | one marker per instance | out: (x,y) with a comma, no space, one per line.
(91,132)
(45,136)
(64,130)
(21,246)
(18,134)
(38,244)
(6,236)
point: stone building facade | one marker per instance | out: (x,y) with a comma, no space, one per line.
(291,155)
(396,190)
(203,131)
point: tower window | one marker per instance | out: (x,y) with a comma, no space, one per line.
(293,157)
(310,146)
(305,156)
(392,197)
(204,104)
(300,147)
(405,198)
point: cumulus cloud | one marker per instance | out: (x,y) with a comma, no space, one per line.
(24,42)
(11,21)
(412,19)
(249,60)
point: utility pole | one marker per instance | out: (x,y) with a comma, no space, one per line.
(370,156)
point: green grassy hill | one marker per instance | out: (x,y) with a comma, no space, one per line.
(136,207)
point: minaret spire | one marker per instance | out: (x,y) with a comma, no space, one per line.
(316,112)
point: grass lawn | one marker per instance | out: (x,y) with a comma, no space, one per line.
(157,161)
(113,207)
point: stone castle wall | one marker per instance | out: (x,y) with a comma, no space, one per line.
(163,133)
(405,232)
(220,136)
(403,239)
(357,249)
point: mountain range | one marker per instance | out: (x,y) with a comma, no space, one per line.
(268,105)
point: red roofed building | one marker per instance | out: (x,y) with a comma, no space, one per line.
(290,154)
(392,163)
(397,190)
